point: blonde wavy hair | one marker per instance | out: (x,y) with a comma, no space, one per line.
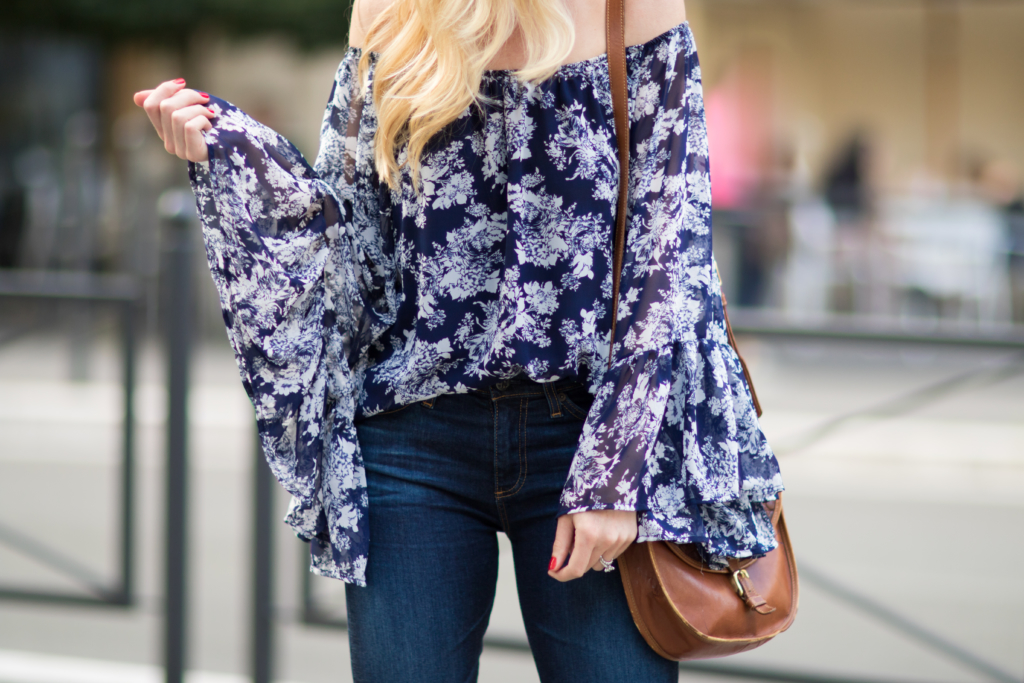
(431,57)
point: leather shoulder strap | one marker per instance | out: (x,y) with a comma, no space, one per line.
(743,363)
(615,32)
(615,39)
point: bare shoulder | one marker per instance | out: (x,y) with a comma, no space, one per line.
(647,19)
(363,14)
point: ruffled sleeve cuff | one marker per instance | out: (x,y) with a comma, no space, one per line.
(674,436)
(284,265)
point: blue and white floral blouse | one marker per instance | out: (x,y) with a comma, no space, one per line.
(344,298)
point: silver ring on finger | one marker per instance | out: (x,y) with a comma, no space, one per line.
(608,566)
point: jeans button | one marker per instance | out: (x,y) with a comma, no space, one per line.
(502,385)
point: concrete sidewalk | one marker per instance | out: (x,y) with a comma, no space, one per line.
(913,500)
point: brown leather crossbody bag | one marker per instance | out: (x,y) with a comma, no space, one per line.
(684,608)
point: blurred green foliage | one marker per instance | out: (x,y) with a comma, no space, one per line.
(310,22)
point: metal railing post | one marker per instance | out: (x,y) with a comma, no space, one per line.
(263,573)
(128,312)
(177,210)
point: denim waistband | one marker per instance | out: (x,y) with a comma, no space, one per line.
(521,384)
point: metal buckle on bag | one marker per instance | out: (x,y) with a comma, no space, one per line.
(736,581)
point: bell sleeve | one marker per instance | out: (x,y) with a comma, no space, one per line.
(672,432)
(302,274)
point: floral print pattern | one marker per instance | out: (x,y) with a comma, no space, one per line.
(344,298)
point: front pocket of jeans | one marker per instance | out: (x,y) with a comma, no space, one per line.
(578,408)
(392,411)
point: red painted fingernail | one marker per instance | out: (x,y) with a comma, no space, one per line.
(179,81)
(210,109)
(202,94)
(552,564)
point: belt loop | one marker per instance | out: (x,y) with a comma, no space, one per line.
(430,401)
(553,404)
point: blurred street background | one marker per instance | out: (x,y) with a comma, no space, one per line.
(867,160)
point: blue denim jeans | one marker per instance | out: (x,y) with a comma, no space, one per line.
(444,477)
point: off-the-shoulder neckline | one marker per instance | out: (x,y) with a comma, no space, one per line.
(571,68)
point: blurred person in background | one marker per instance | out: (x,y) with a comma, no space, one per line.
(1015,222)
(848,191)
(423,321)
(810,224)
(846,182)
(12,220)
(1000,184)
(764,237)
(945,249)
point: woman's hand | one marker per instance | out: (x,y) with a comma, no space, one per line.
(588,536)
(180,116)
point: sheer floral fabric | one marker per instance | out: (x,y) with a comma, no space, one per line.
(344,298)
